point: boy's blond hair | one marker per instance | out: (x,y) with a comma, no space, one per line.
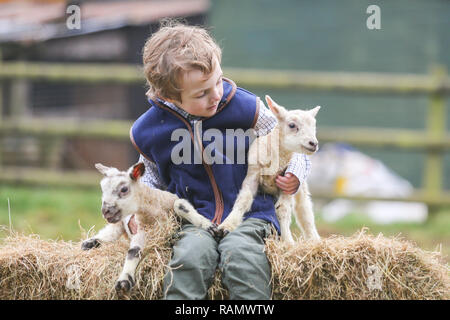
(176,48)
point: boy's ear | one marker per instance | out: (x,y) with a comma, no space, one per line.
(137,171)
(279,111)
(102,169)
(314,111)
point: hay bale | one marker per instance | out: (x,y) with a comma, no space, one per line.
(357,267)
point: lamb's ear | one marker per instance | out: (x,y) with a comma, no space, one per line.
(279,111)
(137,171)
(103,169)
(314,111)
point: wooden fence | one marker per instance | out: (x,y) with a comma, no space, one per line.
(434,141)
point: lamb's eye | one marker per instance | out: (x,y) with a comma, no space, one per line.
(124,190)
(292,125)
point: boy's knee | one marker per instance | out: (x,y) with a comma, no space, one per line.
(192,267)
(246,243)
(240,253)
(251,232)
(195,250)
(243,262)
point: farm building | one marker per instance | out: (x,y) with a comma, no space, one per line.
(110,32)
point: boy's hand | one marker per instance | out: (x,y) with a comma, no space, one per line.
(288,183)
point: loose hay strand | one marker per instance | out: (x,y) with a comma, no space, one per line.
(332,268)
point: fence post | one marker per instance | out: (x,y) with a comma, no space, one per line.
(19,99)
(436,129)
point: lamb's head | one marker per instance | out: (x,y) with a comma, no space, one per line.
(297,128)
(119,191)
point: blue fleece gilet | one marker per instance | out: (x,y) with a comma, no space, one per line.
(211,188)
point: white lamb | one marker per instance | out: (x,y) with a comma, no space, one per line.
(124,196)
(268,157)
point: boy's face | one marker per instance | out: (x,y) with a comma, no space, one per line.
(201,93)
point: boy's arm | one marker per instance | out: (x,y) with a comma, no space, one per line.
(151,176)
(266,120)
(296,172)
(299,166)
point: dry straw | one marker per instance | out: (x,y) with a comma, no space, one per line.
(358,267)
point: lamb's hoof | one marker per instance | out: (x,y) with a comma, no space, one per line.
(223,233)
(174,238)
(89,244)
(213,230)
(124,286)
(313,239)
(217,233)
(290,242)
(226,227)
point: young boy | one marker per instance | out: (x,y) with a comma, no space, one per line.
(188,91)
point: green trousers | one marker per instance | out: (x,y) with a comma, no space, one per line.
(240,256)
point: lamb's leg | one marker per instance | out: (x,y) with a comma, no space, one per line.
(283,209)
(243,201)
(127,278)
(304,213)
(110,232)
(184,209)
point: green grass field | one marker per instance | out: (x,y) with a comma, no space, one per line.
(58,214)
(49,212)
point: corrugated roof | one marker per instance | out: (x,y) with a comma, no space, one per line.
(33,21)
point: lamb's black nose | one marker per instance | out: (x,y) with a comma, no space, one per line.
(108,211)
(313,144)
